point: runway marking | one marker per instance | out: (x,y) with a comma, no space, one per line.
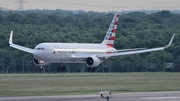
(152,98)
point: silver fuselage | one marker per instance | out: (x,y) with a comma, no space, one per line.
(62,52)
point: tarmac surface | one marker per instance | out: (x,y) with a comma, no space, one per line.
(142,96)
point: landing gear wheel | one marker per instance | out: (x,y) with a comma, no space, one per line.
(91,69)
(61,69)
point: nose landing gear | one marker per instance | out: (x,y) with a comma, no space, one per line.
(41,69)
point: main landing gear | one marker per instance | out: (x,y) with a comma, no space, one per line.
(61,69)
(91,69)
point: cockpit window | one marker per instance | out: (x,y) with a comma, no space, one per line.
(40,48)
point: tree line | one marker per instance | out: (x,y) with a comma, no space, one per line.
(135,30)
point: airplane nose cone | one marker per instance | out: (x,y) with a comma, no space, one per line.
(39,52)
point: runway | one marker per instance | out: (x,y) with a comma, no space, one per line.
(143,96)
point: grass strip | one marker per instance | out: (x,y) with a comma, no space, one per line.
(86,83)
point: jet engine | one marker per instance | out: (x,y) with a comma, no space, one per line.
(92,61)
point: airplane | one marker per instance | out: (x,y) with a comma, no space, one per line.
(89,53)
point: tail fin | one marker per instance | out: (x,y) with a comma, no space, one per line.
(110,35)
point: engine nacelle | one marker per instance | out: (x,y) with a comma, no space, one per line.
(38,62)
(93,61)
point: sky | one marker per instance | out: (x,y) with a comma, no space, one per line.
(93,5)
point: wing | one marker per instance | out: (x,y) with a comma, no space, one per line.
(29,50)
(125,50)
(135,51)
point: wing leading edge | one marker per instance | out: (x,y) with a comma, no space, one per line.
(136,51)
(29,50)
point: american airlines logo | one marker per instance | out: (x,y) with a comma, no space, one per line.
(58,50)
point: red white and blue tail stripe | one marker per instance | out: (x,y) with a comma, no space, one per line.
(110,35)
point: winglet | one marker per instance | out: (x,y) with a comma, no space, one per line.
(10,38)
(170,42)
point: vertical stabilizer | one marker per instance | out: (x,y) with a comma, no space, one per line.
(111,33)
